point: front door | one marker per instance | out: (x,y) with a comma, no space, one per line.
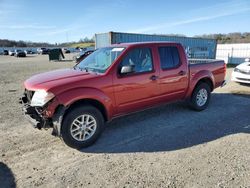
(137,89)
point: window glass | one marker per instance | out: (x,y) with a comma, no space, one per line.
(140,59)
(169,57)
(100,60)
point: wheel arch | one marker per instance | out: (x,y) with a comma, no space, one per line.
(90,96)
(206,80)
(88,101)
(203,76)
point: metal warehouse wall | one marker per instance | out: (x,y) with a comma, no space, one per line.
(195,47)
(233,53)
(102,40)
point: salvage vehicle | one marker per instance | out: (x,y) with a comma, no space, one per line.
(241,73)
(5,52)
(11,52)
(115,81)
(29,51)
(66,50)
(43,51)
(20,53)
(82,55)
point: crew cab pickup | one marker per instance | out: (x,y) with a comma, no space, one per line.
(115,81)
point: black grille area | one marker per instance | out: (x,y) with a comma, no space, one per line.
(244,72)
(244,79)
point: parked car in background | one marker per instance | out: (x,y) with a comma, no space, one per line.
(39,50)
(82,55)
(66,51)
(241,73)
(20,53)
(29,52)
(90,48)
(5,52)
(115,81)
(43,51)
(11,52)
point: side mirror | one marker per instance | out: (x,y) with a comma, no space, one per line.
(127,69)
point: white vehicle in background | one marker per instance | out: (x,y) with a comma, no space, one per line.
(241,73)
(11,52)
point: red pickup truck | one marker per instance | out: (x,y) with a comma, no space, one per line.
(115,81)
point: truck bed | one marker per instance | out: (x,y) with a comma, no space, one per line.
(216,67)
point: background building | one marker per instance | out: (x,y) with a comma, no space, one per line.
(201,48)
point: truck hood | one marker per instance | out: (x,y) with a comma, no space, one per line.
(54,78)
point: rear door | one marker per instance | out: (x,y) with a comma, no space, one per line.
(136,90)
(173,77)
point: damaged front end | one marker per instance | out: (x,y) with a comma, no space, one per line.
(32,113)
(47,116)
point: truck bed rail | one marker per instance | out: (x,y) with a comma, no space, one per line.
(202,61)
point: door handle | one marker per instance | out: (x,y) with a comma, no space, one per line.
(153,77)
(182,73)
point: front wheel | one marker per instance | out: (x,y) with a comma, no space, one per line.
(82,126)
(200,97)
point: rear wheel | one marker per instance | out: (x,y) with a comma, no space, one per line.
(82,126)
(200,97)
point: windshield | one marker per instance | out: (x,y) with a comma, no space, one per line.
(100,60)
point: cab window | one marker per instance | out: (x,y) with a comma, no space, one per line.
(169,57)
(140,60)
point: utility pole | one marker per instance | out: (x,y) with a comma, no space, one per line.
(67,37)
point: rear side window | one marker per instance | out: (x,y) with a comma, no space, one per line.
(169,57)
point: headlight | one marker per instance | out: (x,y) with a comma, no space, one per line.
(236,70)
(41,97)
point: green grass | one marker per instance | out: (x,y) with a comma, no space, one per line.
(81,45)
(231,65)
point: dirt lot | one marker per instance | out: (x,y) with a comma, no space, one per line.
(169,146)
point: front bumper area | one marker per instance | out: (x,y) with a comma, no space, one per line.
(240,77)
(50,116)
(34,114)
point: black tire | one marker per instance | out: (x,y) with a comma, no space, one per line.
(73,115)
(193,103)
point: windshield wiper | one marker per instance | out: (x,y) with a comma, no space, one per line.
(80,68)
(86,69)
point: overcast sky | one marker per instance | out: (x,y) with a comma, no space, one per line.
(62,21)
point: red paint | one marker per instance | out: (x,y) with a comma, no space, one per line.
(123,95)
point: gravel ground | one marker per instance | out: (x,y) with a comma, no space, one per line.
(169,146)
